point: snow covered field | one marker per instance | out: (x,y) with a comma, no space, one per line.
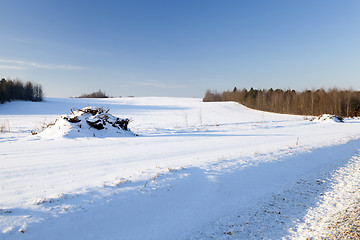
(195,171)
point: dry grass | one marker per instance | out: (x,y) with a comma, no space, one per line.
(345,224)
(4,126)
(40,126)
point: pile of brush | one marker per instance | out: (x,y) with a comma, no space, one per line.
(327,118)
(87,122)
(97,118)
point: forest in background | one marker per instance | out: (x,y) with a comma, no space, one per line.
(16,90)
(344,103)
(98,94)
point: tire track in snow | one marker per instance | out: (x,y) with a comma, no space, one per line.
(326,219)
(305,209)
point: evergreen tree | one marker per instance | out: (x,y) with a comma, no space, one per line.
(15,90)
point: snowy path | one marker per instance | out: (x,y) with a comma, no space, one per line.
(343,193)
(303,209)
(194,168)
(252,206)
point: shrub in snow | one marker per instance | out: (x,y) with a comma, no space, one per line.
(328,118)
(88,122)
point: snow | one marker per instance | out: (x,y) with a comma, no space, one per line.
(343,192)
(193,169)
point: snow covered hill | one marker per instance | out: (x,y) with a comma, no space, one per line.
(194,170)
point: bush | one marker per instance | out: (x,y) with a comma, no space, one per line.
(98,94)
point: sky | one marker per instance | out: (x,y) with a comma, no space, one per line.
(179,48)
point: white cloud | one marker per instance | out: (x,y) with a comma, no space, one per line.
(19,64)
(153,84)
(11,67)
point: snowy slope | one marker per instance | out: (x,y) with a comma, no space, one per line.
(191,165)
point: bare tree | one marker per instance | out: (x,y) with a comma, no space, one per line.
(98,94)
(345,103)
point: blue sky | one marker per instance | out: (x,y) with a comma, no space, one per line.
(179,48)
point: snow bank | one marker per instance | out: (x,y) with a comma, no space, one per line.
(323,221)
(88,122)
(328,118)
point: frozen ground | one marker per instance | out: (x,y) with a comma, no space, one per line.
(196,171)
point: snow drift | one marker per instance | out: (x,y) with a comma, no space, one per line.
(88,122)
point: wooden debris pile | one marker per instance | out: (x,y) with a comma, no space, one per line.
(97,118)
(88,122)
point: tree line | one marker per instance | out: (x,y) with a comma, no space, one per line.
(345,103)
(17,90)
(98,94)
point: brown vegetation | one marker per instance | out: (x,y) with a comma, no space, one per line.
(98,94)
(345,103)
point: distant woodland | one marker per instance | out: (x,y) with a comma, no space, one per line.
(98,94)
(17,90)
(345,103)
